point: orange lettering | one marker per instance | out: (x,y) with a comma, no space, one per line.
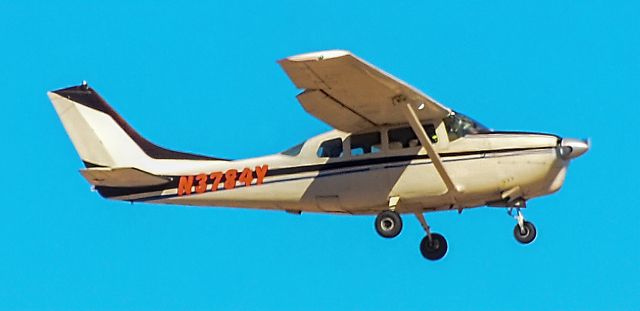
(230,179)
(184,187)
(202,183)
(246,177)
(215,177)
(261,172)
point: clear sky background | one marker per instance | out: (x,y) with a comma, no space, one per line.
(203,78)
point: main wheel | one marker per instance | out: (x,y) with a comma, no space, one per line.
(435,248)
(527,234)
(388,224)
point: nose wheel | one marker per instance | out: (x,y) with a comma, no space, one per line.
(525,234)
(524,231)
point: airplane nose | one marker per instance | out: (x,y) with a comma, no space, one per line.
(571,148)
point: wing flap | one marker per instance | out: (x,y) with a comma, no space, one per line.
(121,177)
(320,104)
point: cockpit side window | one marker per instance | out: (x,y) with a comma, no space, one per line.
(459,125)
(405,137)
(330,148)
(365,143)
(293,151)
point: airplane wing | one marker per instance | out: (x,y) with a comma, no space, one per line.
(350,94)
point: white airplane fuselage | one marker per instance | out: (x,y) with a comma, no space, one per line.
(483,165)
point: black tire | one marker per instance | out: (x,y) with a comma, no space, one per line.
(527,235)
(435,248)
(388,224)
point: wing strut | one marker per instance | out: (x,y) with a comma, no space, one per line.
(416,125)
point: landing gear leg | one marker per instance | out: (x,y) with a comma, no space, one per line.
(524,231)
(433,246)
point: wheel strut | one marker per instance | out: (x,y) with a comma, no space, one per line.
(518,216)
(423,223)
(520,220)
(433,246)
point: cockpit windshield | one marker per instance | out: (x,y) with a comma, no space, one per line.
(293,151)
(459,125)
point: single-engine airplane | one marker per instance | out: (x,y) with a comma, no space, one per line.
(394,150)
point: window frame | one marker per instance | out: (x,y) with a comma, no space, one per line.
(342,153)
(381,149)
(417,147)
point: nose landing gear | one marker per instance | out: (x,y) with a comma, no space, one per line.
(524,231)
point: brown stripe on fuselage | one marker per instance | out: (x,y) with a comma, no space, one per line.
(108,192)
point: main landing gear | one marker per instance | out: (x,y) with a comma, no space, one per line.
(433,246)
(388,224)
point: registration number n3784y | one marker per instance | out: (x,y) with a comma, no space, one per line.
(228,179)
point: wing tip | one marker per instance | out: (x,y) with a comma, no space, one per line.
(319,55)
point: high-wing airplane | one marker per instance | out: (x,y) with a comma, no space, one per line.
(394,150)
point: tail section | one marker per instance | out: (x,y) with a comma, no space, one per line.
(101,136)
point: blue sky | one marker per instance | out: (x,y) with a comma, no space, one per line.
(566,67)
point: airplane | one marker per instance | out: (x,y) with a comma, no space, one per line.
(393,150)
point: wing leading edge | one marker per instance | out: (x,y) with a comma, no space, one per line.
(352,95)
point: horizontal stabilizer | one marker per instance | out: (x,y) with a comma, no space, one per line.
(121,177)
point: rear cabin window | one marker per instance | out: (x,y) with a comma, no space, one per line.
(405,137)
(365,143)
(330,149)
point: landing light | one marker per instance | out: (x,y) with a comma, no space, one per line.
(421,106)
